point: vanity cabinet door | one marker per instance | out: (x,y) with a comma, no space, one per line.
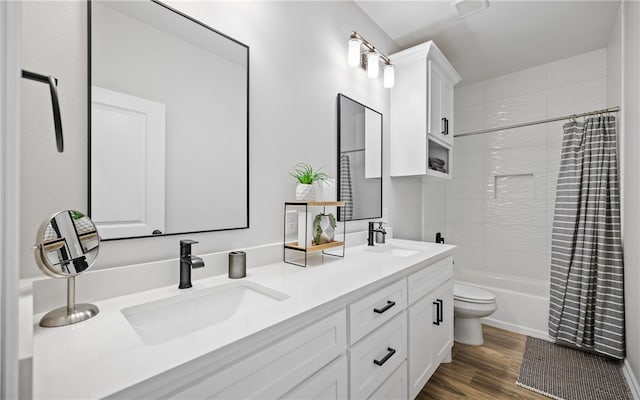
(430,327)
(421,317)
(330,383)
(442,333)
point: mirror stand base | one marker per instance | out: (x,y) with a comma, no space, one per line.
(72,313)
(64,316)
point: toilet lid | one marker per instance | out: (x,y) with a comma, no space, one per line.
(472,294)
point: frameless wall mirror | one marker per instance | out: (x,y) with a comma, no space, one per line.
(359,160)
(169,113)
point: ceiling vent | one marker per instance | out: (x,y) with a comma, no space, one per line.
(468,7)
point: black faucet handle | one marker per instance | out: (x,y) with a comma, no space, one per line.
(185,247)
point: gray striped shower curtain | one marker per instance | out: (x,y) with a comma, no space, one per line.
(586,293)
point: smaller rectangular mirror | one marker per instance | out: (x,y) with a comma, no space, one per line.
(359,160)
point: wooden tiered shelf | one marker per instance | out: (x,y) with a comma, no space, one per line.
(300,247)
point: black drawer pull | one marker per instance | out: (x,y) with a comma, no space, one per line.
(437,304)
(385,308)
(386,358)
(441,316)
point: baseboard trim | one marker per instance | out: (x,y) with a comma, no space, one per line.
(631,380)
(523,330)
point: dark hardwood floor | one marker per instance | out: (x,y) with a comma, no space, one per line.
(486,372)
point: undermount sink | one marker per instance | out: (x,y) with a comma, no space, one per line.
(393,249)
(162,320)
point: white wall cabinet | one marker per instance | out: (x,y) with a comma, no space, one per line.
(430,324)
(422,111)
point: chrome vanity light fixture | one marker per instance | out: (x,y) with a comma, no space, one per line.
(363,53)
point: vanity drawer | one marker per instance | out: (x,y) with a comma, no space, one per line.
(395,387)
(330,383)
(374,310)
(425,281)
(374,358)
(279,368)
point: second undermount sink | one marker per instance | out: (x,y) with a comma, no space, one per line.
(394,250)
(162,320)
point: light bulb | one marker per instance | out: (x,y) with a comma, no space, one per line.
(373,66)
(354,52)
(389,76)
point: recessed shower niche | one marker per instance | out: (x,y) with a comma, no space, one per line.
(514,186)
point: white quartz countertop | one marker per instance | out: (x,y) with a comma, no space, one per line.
(104,355)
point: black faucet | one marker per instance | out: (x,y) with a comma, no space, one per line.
(372,230)
(187,261)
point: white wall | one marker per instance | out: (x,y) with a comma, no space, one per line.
(297,65)
(631,168)
(434,202)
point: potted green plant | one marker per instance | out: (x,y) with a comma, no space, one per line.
(306,176)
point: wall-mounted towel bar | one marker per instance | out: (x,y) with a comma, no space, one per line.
(57,121)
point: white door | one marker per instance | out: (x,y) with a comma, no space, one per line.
(127,164)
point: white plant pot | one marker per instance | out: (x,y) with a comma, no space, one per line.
(305,192)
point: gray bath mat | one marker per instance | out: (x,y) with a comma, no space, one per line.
(566,374)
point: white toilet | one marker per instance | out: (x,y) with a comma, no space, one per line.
(469,305)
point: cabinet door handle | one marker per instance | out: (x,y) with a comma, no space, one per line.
(445,126)
(385,308)
(386,358)
(441,308)
(437,304)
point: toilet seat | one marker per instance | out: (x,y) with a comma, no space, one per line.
(469,294)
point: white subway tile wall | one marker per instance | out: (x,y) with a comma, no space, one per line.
(507,230)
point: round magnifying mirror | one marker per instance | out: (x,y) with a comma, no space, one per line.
(67,245)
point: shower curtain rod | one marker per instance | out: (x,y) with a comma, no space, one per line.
(542,121)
